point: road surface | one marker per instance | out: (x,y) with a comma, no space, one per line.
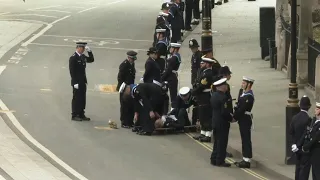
(36,85)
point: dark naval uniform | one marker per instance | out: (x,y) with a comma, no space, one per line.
(189,8)
(221,118)
(300,123)
(171,75)
(152,69)
(225,71)
(176,21)
(242,114)
(195,60)
(147,97)
(126,74)
(181,106)
(77,68)
(162,49)
(162,22)
(202,93)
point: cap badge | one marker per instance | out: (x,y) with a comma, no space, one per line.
(190,43)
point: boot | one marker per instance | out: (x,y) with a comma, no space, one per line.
(198,137)
(242,164)
(205,139)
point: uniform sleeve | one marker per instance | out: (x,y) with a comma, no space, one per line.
(147,72)
(90,59)
(168,71)
(201,86)
(172,14)
(243,107)
(122,73)
(145,101)
(72,69)
(225,111)
(315,139)
(292,132)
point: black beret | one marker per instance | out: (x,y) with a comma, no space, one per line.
(132,53)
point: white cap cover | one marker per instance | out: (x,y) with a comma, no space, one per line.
(317,105)
(177,45)
(245,78)
(160,30)
(204,59)
(219,82)
(184,90)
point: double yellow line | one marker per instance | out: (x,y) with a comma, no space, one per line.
(229,160)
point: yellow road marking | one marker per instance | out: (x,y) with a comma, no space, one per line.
(108,88)
(229,160)
(7,111)
(103,128)
(45,90)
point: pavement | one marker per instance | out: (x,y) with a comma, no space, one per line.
(236,44)
(36,95)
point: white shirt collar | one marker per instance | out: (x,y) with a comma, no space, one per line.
(78,53)
(304,111)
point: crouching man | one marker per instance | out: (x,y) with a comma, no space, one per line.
(183,101)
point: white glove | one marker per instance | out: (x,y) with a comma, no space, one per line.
(173,117)
(141,79)
(88,49)
(294,148)
(163,118)
(76,86)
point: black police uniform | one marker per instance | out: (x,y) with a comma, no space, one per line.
(182,5)
(195,60)
(77,68)
(180,109)
(221,118)
(299,124)
(126,74)
(195,113)
(152,69)
(242,114)
(171,75)
(147,97)
(202,94)
(189,7)
(176,22)
(313,146)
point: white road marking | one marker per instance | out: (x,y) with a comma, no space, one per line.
(52,11)
(40,15)
(2,178)
(58,45)
(87,9)
(46,7)
(4,13)
(43,31)
(2,68)
(25,133)
(116,39)
(26,20)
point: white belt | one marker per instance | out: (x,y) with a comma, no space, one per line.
(156,82)
(248,113)
(174,71)
(206,90)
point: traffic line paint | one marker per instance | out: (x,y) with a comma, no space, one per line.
(115,39)
(229,160)
(43,31)
(103,128)
(93,47)
(4,13)
(39,15)
(52,10)
(2,68)
(85,10)
(7,111)
(25,133)
(46,7)
(18,55)
(45,89)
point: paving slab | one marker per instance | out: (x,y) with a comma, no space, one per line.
(236,44)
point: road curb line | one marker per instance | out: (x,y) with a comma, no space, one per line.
(22,133)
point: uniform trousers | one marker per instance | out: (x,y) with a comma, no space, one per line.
(189,7)
(176,35)
(195,115)
(147,124)
(303,166)
(245,125)
(196,9)
(221,137)
(79,100)
(205,116)
(183,117)
(126,110)
(173,87)
(315,163)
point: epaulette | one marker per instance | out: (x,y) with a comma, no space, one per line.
(74,54)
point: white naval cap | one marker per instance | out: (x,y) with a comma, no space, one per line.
(220,82)
(176,45)
(184,91)
(204,59)
(160,30)
(317,105)
(122,87)
(245,78)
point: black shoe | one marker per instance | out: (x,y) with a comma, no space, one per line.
(224,164)
(226,1)
(219,3)
(125,126)
(135,129)
(229,155)
(198,137)
(76,118)
(205,139)
(142,133)
(84,118)
(243,164)
(214,163)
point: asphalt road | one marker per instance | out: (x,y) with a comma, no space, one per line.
(37,87)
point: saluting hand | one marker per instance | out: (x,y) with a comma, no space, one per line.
(88,49)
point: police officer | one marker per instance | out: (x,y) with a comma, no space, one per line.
(202,93)
(196,12)
(162,23)
(195,113)
(299,124)
(77,68)
(147,97)
(127,74)
(152,69)
(175,20)
(242,114)
(221,118)
(225,72)
(183,101)
(195,59)
(219,2)
(312,145)
(171,72)
(189,7)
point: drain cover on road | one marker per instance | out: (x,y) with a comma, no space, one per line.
(107,88)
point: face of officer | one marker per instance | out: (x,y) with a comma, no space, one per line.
(202,65)
(153,55)
(194,49)
(246,86)
(173,50)
(228,76)
(159,35)
(80,50)
(185,97)
(317,112)
(165,11)
(132,59)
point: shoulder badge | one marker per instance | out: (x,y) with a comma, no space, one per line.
(204,81)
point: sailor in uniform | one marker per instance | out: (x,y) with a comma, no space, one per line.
(162,23)
(77,68)
(195,59)
(183,101)
(127,74)
(162,48)
(242,114)
(202,92)
(176,21)
(225,72)
(152,69)
(171,72)
(221,118)
(301,123)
